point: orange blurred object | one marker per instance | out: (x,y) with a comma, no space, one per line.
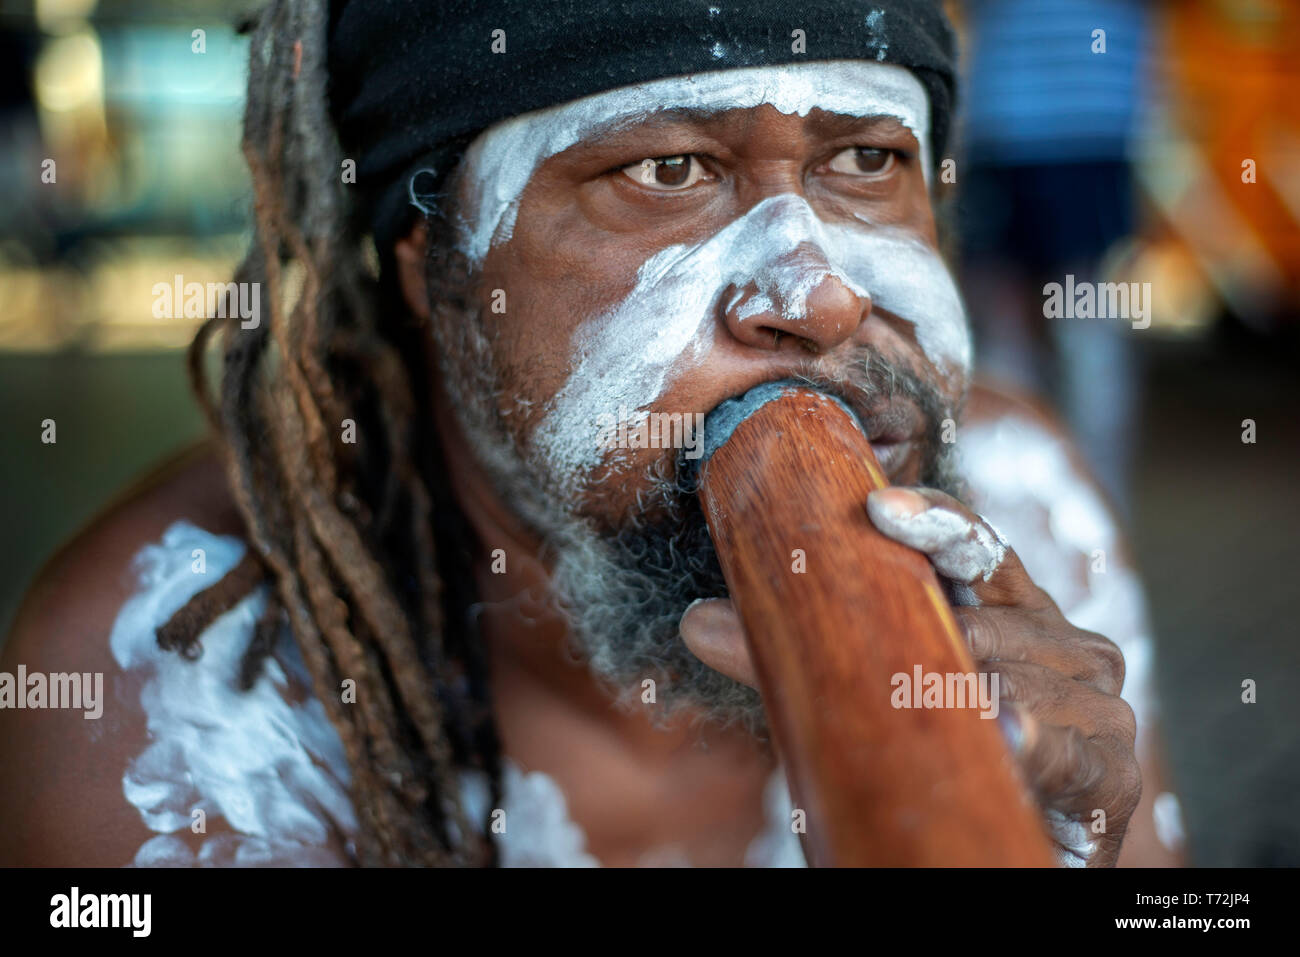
(1233,72)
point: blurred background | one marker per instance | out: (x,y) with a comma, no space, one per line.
(1166,150)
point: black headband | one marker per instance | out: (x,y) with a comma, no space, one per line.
(411,83)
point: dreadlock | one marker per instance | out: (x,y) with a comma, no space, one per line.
(332,460)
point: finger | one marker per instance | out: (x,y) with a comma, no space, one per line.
(1008,634)
(1073,845)
(1075,749)
(1076,777)
(712,631)
(1054,698)
(1069,771)
(962,546)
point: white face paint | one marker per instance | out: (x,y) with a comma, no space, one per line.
(503,159)
(626,357)
(776,254)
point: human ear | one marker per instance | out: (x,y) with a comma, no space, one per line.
(409,254)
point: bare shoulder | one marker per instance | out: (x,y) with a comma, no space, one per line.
(1029,479)
(62,798)
(1017,453)
(1026,476)
(106,734)
(990,401)
(1023,468)
(87,580)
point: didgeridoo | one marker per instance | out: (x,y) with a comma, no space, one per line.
(833,611)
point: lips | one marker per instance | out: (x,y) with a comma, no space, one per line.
(892,456)
(892,426)
(892,421)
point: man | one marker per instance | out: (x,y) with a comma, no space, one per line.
(415,620)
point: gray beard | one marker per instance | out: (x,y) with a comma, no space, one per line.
(623,591)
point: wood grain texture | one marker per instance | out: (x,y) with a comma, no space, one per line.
(881,786)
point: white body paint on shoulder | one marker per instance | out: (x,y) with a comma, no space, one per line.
(1023,480)
(275,771)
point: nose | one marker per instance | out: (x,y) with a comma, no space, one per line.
(798,297)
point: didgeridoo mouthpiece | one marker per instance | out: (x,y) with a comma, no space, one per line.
(839,618)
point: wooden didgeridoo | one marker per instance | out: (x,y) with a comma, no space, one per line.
(787,468)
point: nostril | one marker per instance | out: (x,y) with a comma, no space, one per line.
(795,298)
(770,337)
(803,342)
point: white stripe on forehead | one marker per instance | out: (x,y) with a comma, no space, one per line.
(502,160)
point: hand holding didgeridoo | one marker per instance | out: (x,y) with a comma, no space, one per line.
(833,612)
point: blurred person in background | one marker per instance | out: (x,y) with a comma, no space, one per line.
(1054,95)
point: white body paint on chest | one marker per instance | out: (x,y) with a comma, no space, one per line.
(269,772)
(276,770)
(503,159)
(779,251)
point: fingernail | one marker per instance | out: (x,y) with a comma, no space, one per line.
(899,503)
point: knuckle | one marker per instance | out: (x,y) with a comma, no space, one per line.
(1038,601)
(982,634)
(1089,770)
(1010,683)
(1129,783)
(1125,720)
(1060,691)
(1107,658)
(1074,748)
(1059,760)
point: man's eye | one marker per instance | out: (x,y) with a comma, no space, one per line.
(666,173)
(863,161)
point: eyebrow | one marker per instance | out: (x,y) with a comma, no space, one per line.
(822,122)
